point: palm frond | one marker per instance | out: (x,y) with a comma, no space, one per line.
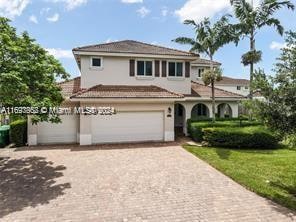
(276,23)
(184,41)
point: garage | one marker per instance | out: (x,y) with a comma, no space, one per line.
(64,132)
(128,127)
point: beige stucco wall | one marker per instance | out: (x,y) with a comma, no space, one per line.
(115,71)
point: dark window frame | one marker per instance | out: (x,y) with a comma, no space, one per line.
(147,69)
(176,69)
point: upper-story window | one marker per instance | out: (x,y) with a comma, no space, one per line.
(246,87)
(238,87)
(144,68)
(175,69)
(200,71)
(96,62)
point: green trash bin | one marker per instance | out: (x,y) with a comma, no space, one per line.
(4,135)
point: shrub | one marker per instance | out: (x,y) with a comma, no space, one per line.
(194,128)
(18,132)
(290,141)
(236,137)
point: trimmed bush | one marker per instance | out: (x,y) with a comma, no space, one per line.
(236,137)
(18,132)
(194,128)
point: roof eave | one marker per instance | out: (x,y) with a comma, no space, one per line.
(125,54)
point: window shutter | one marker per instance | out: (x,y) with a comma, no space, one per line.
(163,68)
(156,68)
(187,69)
(132,67)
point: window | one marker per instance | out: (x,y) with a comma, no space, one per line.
(96,62)
(246,87)
(175,69)
(200,72)
(238,87)
(144,68)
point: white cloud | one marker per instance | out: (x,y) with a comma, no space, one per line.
(44,11)
(277,45)
(70,4)
(53,18)
(33,19)
(60,53)
(199,9)
(143,11)
(12,8)
(131,1)
(111,40)
(164,12)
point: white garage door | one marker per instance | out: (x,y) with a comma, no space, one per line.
(128,127)
(65,132)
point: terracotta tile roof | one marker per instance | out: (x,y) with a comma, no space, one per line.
(232,81)
(201,61)
(70,87)
(125,91)
(135,47)
(200,90)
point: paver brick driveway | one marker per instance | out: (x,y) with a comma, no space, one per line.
(138,184)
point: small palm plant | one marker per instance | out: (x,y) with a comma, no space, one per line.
(208,40)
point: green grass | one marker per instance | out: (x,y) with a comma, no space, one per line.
(269,173)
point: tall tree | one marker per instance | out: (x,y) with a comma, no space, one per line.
(209,38)
(27,72)
(278,110)
(251,20)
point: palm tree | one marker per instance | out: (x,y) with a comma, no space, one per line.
(208,39)
(251,19)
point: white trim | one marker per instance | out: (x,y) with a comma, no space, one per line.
(136,55)
(144,76)
(183,69)
(95,67)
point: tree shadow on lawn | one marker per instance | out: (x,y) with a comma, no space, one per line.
(28,182)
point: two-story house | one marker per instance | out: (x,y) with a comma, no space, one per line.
(150,87)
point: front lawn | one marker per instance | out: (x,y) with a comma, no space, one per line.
(269,173)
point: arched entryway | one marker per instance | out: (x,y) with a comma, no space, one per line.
(224,110)
(179,119)
(200,110)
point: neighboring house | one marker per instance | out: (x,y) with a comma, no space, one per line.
(240,86)
(149,86)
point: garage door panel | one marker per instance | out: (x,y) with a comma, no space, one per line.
(64,132)
(128,127)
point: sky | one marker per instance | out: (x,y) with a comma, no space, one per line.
(61,25)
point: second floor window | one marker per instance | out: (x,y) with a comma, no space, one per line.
(144,68)
(238,87)
(176,69)
(200,72)
(96,62)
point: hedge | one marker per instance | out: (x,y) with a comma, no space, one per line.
(236,137)
(194,128)
(18,132)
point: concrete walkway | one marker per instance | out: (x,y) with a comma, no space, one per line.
(130,184)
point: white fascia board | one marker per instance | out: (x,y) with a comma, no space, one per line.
(135,55)
(125,100)
(210,99)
